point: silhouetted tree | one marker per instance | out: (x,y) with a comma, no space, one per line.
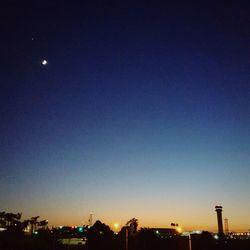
(43,223)
(33,223)
(11,218)
(100,236)
(12,238)
(132,224)
(25,223)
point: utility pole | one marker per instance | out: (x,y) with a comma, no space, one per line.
(189,241)
(126,238)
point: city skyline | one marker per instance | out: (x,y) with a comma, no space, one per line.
(126,109)
(120,221)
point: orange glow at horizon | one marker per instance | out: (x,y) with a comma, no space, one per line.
(199,220)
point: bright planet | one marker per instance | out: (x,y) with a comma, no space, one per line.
(44,62)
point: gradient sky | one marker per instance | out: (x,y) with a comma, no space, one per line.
(142,111)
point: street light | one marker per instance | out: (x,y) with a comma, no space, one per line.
(178,229)
(116,226)
(188,234)
(189,241)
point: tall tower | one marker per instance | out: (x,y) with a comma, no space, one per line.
(218,210)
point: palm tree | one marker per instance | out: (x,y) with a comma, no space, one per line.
(25,224)
(34,222)
(43,223)
(132,224)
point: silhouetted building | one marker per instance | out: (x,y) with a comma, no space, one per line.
(218,210)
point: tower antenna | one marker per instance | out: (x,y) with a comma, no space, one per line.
(90,220)
(226,226)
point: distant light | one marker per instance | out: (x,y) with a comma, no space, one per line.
(216,237)
(116,225)
(179,229)
(44,62)
(197,232)
(157,232)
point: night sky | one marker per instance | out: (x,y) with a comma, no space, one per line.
(143,110)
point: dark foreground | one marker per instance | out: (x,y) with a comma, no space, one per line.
(144,239)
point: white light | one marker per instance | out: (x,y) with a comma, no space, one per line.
(216,237)
(44,62)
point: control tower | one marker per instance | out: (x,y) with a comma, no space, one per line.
(218,210)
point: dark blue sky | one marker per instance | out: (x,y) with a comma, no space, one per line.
(141,103)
